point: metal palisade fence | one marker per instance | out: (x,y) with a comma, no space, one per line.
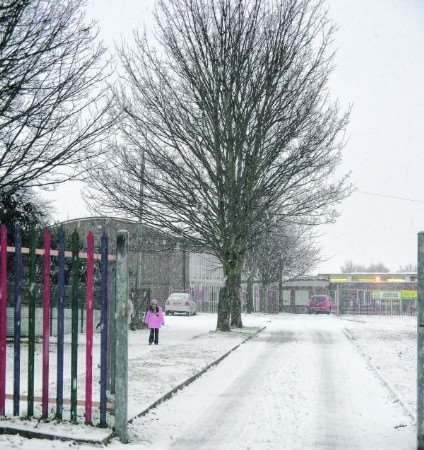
(47,266)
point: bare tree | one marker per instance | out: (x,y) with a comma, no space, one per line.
(351,267)
(232,115)
(53,108)
(407,268)
(378,267)
(281,253)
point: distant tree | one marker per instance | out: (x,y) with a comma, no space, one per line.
(350,267)
(26,208)
(53,108)
(378,267)
(407,268)
(286,251)
(226,119)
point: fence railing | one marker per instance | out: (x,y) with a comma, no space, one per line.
(366,301)
(15,271)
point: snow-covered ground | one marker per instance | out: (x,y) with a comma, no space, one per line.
(300,384)
(186,346)
(390,345)
(176,357)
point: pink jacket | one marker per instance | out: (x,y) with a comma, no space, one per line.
(154,320)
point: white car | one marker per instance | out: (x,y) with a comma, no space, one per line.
(180,302)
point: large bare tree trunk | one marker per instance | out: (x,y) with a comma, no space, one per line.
(223,322)
(229,309)
(236,321)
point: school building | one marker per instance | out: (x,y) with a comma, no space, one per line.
(167,265)
(356,293)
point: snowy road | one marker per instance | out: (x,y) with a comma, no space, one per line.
(301,384)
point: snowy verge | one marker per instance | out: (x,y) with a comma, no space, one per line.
(388,345)
(35,429)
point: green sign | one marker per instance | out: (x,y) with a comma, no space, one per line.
(394,295)
(408,295)
(386,295)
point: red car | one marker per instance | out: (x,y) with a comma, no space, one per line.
(319,304)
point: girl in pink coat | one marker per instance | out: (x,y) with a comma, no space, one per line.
(154,320)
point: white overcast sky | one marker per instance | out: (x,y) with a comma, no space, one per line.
(380,72)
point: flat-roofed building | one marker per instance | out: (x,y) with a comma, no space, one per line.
(374,293)
(355,293)
(167,264)
(297,292)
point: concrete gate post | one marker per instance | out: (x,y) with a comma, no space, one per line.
(121,346)
(420,344)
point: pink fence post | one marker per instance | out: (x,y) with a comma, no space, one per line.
(46,324)
(89,330)
(3,317)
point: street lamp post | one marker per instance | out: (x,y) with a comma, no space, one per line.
(138,304)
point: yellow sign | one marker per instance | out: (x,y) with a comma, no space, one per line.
(338,280)
(364,278)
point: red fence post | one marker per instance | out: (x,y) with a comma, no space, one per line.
(46,324)
(89,329)
(3,317)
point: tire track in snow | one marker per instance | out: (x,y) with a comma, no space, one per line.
(221,423)
(332,401)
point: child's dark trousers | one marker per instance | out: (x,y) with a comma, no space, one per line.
(154,336)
